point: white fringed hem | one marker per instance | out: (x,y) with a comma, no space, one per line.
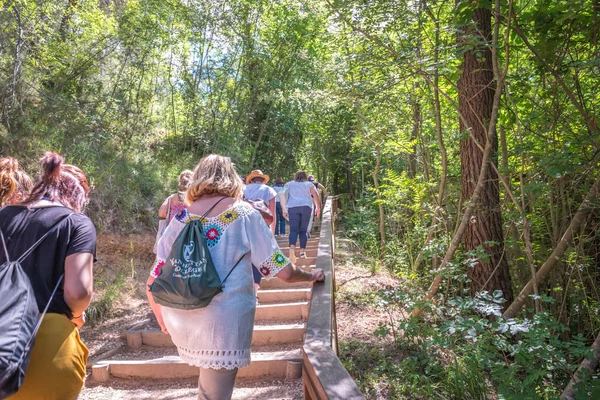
(219,359)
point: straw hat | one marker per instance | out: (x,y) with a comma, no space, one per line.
(257,173)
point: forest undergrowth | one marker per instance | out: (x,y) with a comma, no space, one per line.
(460,348)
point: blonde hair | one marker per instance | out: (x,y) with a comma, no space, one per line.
(214,174)
(185,180)
(12,180)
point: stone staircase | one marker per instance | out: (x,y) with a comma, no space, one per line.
(279,329)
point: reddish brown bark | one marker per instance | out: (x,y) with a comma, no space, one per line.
(476,96)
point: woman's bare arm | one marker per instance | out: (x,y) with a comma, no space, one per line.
(323,190)
(164,208)
(291,273)
(283,202)
(156,309)
(78,285)
(317,199)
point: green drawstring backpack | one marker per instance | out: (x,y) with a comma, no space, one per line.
(189,279)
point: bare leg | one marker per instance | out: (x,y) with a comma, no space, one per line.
(216,384)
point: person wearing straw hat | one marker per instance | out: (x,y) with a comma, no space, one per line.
(256,189)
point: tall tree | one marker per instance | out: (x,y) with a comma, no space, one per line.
(483,235)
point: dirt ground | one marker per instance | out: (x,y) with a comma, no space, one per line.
(356,320)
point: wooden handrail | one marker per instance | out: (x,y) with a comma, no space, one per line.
(324,376)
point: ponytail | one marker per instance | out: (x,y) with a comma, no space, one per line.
(61,182)
(51,168)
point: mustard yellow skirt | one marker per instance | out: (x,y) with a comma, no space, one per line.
(57,367)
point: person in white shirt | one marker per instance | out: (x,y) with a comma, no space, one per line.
(297,201)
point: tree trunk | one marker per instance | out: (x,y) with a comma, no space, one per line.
(576,223)
(412,156)
(349,186)
(381,212)
(66,18)
(476,96)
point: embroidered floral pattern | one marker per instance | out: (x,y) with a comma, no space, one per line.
(279,259)
(176,209)
(215,226)
(213,234)
(229,216)
(158,264)
(182,215)
(265,270)
(273,264)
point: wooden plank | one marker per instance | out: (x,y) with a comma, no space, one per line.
(318,330)
(334,382)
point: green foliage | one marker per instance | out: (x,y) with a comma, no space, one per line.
(102,309)
(361,226)
(466,351)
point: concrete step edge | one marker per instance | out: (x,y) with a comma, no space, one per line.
(281,305)
(290,290)
(277,364)
(261,328)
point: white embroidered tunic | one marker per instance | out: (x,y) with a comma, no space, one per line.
(219,335)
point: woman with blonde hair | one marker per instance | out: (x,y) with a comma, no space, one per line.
(217,338)
(15,184)
(60,273)
(176,202)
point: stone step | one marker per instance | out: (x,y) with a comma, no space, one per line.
(308,246)
(310,252)
(276,283)
(283,295)
(263,335)
(270,364)
(286,243)
(187,389)
(282,312)
(304,262)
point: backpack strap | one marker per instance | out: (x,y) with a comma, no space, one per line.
(236,264)
(40,240)
(30,342)
(4,245)
(213,207)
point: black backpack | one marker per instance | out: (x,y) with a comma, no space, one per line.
(19,318)
(189,280)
